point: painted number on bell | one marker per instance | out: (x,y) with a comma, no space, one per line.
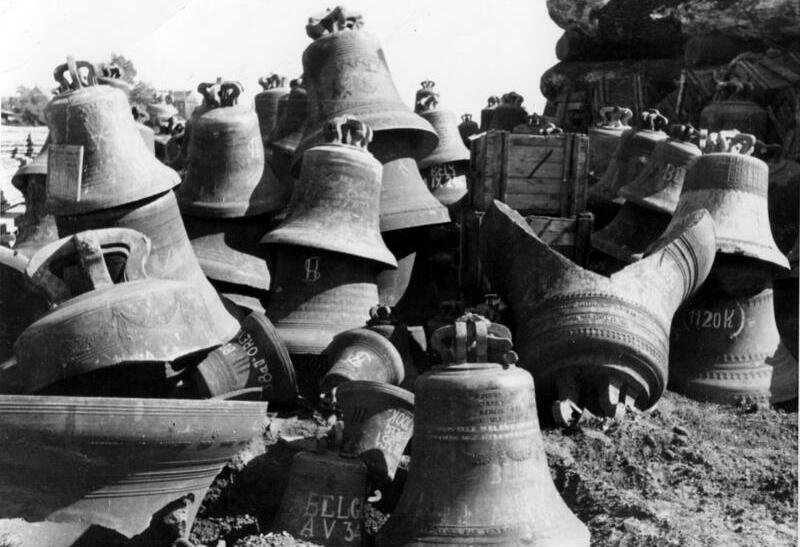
(326,515)
(357,359)
(64,171)
(673,174)
(726,319)
(311,266)
(439,175)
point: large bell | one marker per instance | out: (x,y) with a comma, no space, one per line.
(361,354)
(171,257)
(445,169)
(346,74)
(732,186)
(324,500)
(37,227)
(378,423)
(335,203)
(478,470)
(630,158)
(732,108)
(467,128)
(631,232)
(97,159)
(107,311)
(267,101)
(604,137)
(113,75)
(584,336)
(727,349)
(488,111)
(227,175)
(509,113)
(406,201)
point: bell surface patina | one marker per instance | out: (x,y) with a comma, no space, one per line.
(107,311)
(604,137)
(406,201)
(226,175)
(346,74)
(587,337)
(324,500)
(113,462)
(267,101)
(361,354)
(378,423)
(478,469)
(37,227)
(96,157)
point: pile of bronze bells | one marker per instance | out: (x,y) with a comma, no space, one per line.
(306,256)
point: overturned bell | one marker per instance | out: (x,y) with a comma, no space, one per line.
(107,311)
(406,201)
(378,423)
(587,337)
(346,74)
(727,349)
(733,108)
(324,500)
(467,128)
(509,113)
(255,357)
(488,111)
(361,354)
(37,227)
(732,186)
(336,200)
(226,175)
(631,157)
(478,470)
(445,169)
(631,232)
(97,159)
(267,101)
(605,135)
(171,256)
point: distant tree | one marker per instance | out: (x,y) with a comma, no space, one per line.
(125,65)
(142,94)
(29,105)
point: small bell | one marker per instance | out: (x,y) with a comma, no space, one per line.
(410,341)
(324,500)
(478,469)
(378,423)
(37,227)
(605,135)
(335,203)
(467,128)
(405,200)
(586,337)
(346,74)
(509,113)
(488,111)
(287,133)
(732,108)
(266,102)
(445,169)
(361,354)
(108,313)
(226,175)
(97,158)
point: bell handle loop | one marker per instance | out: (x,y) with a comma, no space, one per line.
(745,142)
(626,114)
(380,313)
(607,114)
(466,117)
(76,80)
(460,342)
(427,84)
(773,151)
(90,256)
(481,341)
(653,120)
(427,103)
(229,93)
(272,81)
(492,101)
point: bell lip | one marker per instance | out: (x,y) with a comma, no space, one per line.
(266,332)
(38,166)
(397,393)
(749,249)
(232,271)
(305,237)
(375,341)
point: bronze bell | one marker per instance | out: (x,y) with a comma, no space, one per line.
(148,135)
(467,128)
(393,282)
(255,357)
(726,348)
(604,137)
(107,311)
(445,169)
(361,354)
(732,186)
(631,156)
(378,423)
(227,175)
(410,341)
(317,294)
(732,108)
(97,158)
(584,336)
(509,113)
(19,306)
(171,257)
(488,111)
(266,101)
(346,74)
(630,233)
(37,227)
(783,198)
(113,75)
(406,201)
(478,470)
(160,110)
(324,500)
(287,133)
(537,125)
(210,94)
(335,203)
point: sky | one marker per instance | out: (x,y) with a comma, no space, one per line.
(470,48)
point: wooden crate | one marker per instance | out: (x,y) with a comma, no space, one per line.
(568,236)
(534,174)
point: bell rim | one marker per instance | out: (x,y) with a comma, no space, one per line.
(395,391)
(228,209)
(400,220)
(266,331)
(738,247)
(217,269)
(375,342)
